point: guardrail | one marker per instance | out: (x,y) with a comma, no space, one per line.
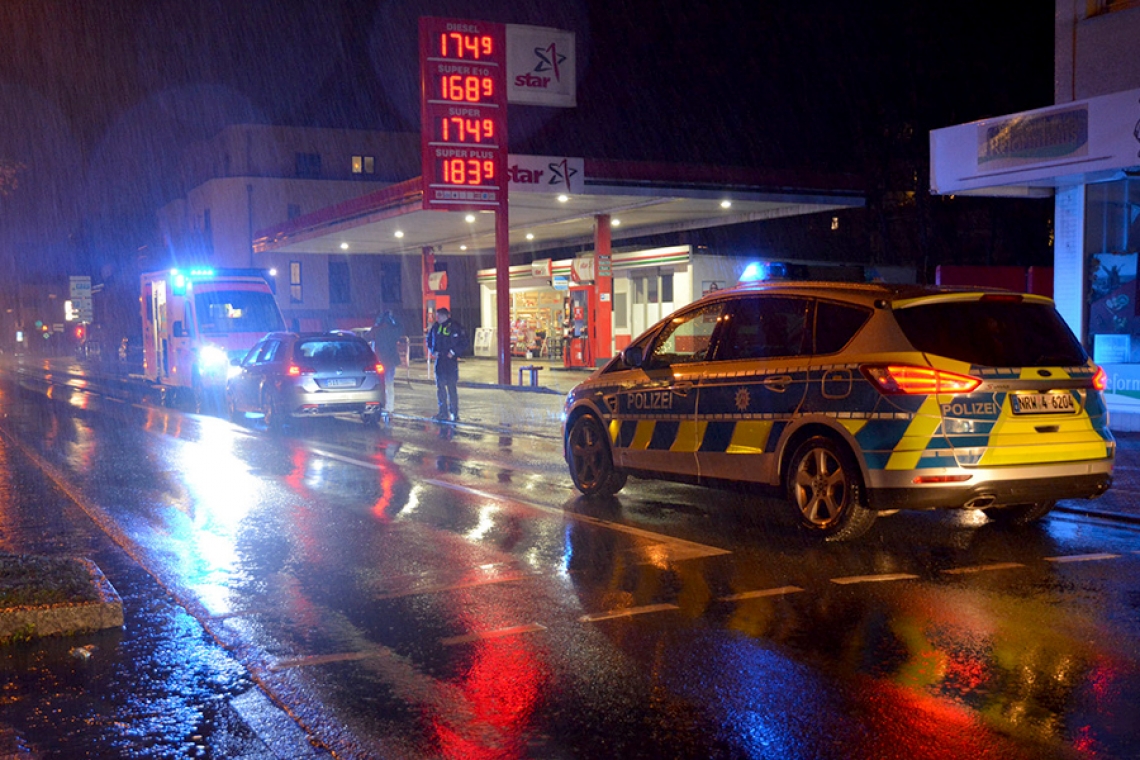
(413,351)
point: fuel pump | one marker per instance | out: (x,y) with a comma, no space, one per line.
(578,351)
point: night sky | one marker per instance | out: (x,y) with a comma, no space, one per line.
(100,96)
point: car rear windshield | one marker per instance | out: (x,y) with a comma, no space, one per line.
(993,333)
(327,352)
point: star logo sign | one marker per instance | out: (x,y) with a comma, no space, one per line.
(743,399)
(561,172)
(549,59)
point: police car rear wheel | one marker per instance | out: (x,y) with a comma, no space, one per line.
(591,464)
(1019,514)
(825,487)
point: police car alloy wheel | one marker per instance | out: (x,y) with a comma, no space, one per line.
(591,463)
(824,485)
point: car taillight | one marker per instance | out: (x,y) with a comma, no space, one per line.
(1100,379)
(296,370)
(908,379)
(378,369)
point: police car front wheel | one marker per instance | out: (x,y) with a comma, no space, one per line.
(591,463)
(826,489)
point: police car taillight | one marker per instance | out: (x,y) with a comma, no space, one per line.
(908,379)
(1100,379)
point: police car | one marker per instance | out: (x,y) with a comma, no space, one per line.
(854,400)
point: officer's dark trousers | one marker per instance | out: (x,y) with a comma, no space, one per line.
(446,390)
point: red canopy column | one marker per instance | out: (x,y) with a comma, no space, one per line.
(601,332)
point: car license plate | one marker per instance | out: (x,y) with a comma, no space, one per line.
(1044,403)
(340,382)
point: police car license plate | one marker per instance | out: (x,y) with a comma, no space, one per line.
(340,382)
(1044,403)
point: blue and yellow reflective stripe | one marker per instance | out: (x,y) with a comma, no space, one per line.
(916,439)
(749,437)
(689,436)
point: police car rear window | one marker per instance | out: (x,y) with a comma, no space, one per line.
(836,324)
(992,333)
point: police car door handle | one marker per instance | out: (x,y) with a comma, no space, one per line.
(778,383)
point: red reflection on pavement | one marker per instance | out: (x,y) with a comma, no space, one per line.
(388,480)
(908,723)
(502,687)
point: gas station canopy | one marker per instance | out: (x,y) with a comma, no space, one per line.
(641,199)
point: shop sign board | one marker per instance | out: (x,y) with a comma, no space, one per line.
(543,268)
(582,269)
(1047,147)
(463,110)
(560,282)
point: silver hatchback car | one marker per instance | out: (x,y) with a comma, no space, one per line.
(292,376)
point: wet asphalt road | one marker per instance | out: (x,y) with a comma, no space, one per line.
(439,592)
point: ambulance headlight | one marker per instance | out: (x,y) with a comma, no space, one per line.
(212,358)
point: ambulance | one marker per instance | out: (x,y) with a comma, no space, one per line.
(196,321)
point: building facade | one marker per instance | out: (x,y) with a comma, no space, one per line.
(1084,151)
(249,177)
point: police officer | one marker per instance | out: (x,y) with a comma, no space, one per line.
(445,342)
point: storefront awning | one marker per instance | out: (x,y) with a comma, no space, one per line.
(1030,153)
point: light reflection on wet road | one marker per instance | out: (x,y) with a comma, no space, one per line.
(405,594)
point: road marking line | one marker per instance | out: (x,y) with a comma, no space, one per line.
(760,594)
(343,458)
(627,612)
(874,578)
(439,589)
(324,659)
(1082,558)
(686,549)
(982,568)
(496,634)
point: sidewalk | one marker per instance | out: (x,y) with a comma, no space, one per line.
(483,402)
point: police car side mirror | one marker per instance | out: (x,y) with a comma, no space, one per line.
(633,356)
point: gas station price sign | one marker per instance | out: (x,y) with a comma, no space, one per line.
(463,113)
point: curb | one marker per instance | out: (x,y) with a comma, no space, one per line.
(66,619)
(494,386)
